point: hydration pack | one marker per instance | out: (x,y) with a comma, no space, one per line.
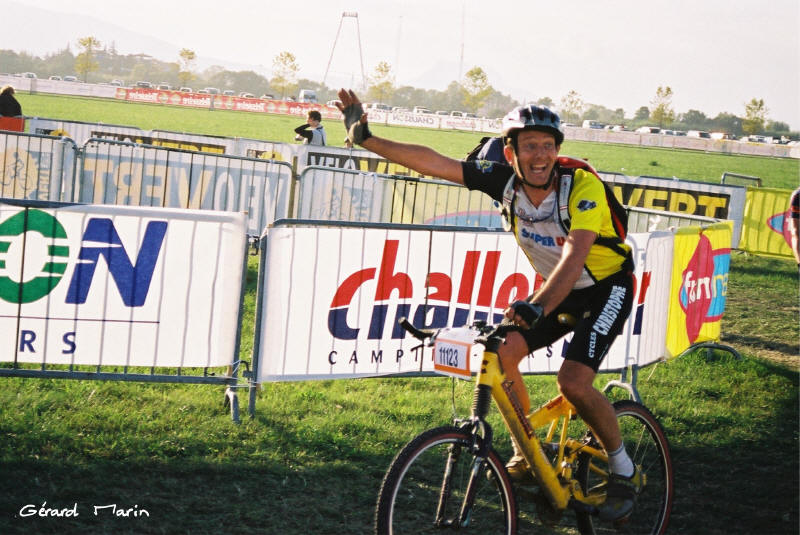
(491,148)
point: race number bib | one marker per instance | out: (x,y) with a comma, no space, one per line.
(453,350)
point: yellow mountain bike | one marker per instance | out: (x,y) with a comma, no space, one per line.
(451,478)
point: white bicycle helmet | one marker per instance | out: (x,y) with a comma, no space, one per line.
(531,117)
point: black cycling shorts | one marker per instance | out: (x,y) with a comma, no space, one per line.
(600,311)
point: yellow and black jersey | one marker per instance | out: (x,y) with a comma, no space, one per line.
(539,230)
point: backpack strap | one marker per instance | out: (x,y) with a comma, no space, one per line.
(564,191)
(565,183)
(507,207)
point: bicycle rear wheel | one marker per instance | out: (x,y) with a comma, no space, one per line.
(648,447)
(424,488)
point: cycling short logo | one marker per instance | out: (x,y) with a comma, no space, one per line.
(14,287)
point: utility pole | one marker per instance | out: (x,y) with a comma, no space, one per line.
(353,15)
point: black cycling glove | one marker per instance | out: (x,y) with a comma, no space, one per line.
(531,313)
(357,131)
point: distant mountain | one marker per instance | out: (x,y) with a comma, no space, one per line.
(40,32)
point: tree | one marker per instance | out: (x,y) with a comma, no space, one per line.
(476,88)
(694,120)
(777,126)
(186,62)
(547,102)
(755,115)
(284,73)
(662,112)
(642,114)
(727,123)
(571,106)
(381,82)
(84,62)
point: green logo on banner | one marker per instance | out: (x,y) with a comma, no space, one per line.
(52,269)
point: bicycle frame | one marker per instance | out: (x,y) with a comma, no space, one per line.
(555,479)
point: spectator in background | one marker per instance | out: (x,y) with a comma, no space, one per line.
(794,225)
(312,132)
(9,107)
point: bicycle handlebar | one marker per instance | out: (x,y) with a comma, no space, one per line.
(487,331)
(419,334)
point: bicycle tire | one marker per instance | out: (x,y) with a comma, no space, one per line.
(648,447)
(410,492)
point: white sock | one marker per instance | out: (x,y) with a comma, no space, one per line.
(619,463)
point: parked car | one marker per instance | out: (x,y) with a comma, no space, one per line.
(442,113)
(117,83)
(212,90)
(229,92)
(28,75)
(186,90)
(307,95)
(456,114)
(421,109)
(203,92)
(144,85)
(698,133)
(648,130)
(54,78)
(70,78)
(588,123)
(245,94)
(164,86)
(267,96)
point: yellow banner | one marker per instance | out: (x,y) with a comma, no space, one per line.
(765,228)
(701,261)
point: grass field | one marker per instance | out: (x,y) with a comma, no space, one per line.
(312,459)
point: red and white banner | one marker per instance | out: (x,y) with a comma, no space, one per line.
(333,295)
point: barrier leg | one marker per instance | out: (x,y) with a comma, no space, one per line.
(629,387)
(233,400)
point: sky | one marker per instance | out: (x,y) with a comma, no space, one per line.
(716,55)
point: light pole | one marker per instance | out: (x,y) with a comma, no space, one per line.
(353,15)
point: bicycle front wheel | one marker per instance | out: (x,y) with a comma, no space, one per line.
(425,487)
(648,447)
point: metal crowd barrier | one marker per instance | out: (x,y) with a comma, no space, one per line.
(155,309)
(647,220)
(33,166)
(331,194)
(122,173)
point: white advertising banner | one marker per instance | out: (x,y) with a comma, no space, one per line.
(110,285)
(333,295)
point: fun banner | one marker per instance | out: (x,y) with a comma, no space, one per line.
(701,262)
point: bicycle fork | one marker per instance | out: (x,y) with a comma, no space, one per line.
(481,443)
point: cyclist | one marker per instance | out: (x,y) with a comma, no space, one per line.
(591,281)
